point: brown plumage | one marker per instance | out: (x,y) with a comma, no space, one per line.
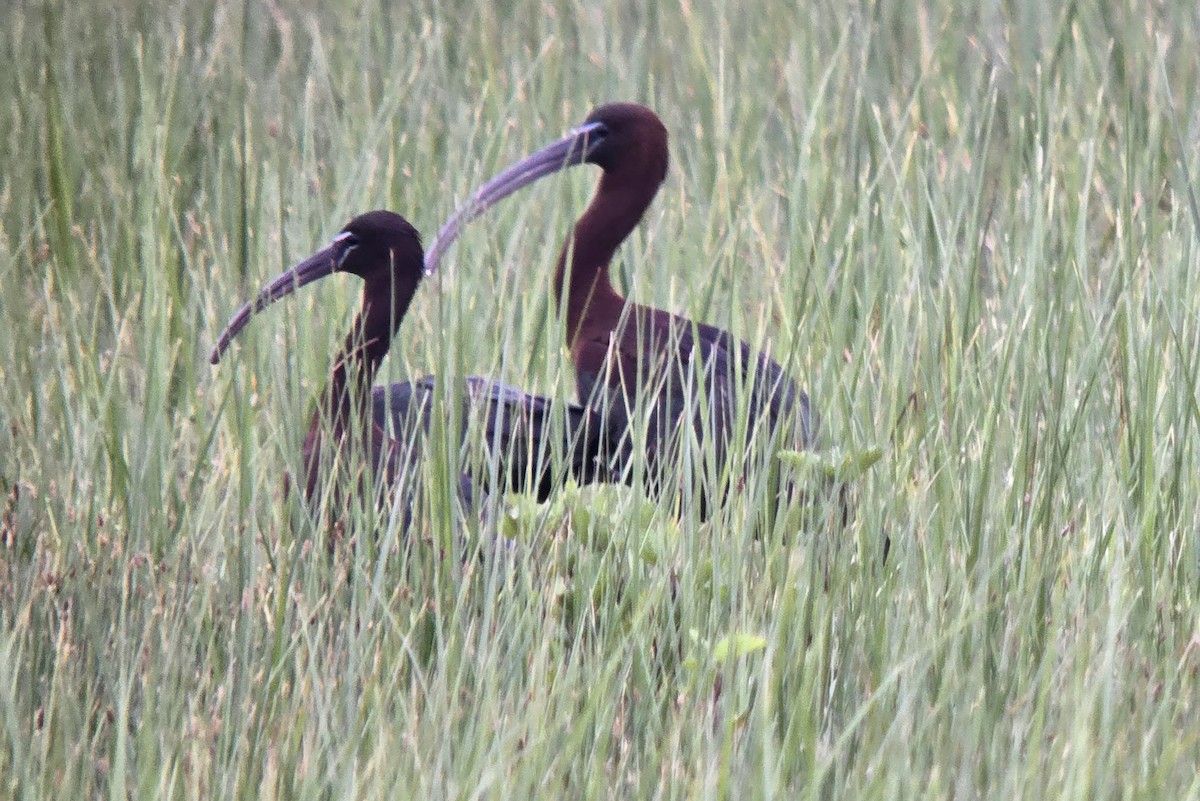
(685,377)
(384,250)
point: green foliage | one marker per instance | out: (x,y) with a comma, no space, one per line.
(832,464)
(970,233)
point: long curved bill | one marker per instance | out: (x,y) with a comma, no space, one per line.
(575,148)
(318,265)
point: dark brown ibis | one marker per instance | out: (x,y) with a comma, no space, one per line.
(384,250)
(625,353)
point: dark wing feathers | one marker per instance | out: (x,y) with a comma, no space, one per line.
(523,432)
(725,360)
(783,398)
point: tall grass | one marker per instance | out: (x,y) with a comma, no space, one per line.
(971,235)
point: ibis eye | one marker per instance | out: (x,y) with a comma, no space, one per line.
(593,132)
(344,243)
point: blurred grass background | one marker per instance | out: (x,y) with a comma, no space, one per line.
(969,233)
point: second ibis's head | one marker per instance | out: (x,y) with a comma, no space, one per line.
(626,140)
(380,247)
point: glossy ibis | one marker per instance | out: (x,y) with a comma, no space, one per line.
(623,352)
(384,250)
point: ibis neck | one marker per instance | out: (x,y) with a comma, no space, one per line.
(612,215)
(370,338)
(347,398)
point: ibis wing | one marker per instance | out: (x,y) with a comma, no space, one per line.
(774,393)
(531,441)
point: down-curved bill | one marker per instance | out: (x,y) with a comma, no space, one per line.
(318,265)
(574,148)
